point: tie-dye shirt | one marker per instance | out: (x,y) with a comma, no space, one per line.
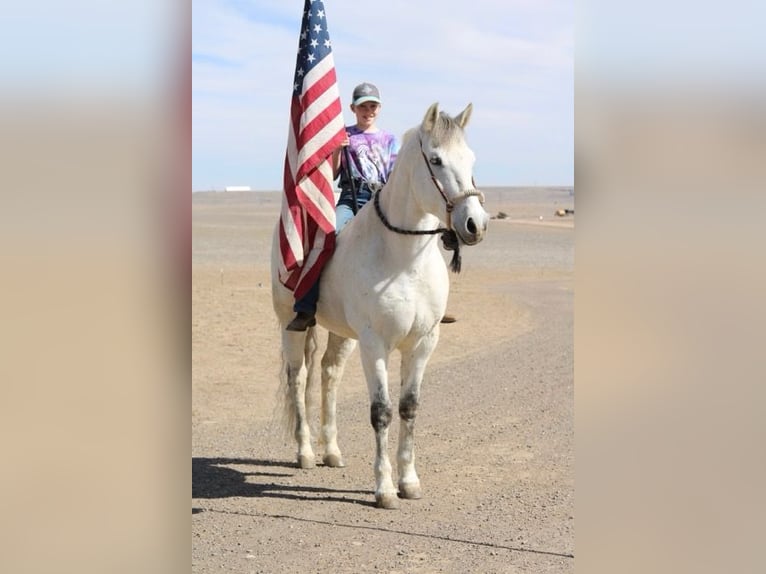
(372,156)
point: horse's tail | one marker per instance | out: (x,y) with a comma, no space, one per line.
(287,395)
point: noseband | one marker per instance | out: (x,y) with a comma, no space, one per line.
(449,237)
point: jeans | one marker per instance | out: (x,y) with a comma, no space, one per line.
(343,214)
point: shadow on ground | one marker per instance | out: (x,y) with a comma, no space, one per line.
(215,478)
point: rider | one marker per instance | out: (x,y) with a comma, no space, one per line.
(372,153)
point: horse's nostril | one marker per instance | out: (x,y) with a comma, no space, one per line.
(471,226)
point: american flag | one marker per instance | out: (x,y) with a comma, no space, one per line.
(307,221)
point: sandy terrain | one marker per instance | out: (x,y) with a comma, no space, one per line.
(494,433)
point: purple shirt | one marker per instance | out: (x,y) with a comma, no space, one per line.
(372,155)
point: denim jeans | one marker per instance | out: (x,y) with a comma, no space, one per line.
(343,214)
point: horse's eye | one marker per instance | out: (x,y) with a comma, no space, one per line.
(435,160)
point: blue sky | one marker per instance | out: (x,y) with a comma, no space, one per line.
(513,60)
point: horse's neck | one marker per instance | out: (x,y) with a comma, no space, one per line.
(399,204)
(394,250)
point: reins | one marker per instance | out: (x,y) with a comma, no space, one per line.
(449,236)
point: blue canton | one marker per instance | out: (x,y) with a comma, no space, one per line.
(313,44)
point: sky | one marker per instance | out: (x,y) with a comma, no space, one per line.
(513,60)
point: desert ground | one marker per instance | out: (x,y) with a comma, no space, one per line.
(494,432)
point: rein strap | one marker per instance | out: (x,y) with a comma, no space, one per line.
(449,237)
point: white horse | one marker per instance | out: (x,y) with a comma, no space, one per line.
(386,286)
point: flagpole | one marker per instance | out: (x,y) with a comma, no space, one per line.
(347,170)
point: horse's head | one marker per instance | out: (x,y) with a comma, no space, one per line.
(448,162)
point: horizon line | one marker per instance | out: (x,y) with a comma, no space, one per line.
(254,190)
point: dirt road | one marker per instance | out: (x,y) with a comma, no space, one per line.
(494,433)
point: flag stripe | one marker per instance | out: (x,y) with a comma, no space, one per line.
(313,195)
(319,121)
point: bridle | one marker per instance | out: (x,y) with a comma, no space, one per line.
(463,195)
(449,237)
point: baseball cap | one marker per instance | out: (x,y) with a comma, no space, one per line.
(365,92)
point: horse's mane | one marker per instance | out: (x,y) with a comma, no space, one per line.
(445,131)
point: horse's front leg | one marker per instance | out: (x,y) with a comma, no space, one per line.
(333,364)
(374,362)
(414,361)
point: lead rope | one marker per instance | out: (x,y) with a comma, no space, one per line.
(449,237)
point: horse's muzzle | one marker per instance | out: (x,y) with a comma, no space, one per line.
(471,229)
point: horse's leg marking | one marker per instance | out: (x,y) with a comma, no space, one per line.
(408,406)
(380,415)
(414,362)
(375,364)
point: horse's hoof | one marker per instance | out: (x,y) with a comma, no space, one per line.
(410,490)
(387,501)
(333,460)
(306,461)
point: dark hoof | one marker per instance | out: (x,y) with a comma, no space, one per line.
(448,319)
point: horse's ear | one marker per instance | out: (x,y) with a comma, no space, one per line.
(462,118)
(429,121)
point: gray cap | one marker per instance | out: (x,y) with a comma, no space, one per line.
(365,92)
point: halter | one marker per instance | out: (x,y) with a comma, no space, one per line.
(449,237)
(464,194)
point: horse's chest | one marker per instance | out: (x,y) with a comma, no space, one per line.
(417,289)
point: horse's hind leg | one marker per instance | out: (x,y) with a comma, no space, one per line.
(297,347)
(333,364)
(414,363)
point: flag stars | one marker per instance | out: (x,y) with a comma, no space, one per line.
(314,42)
